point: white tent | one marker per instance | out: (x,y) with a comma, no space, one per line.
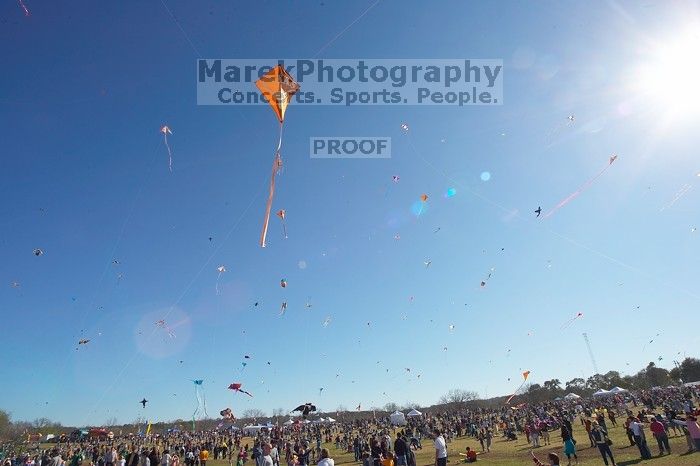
(618,390)
(601,392)
(330,419)
(288,422)
(256,429)
(320,421)
(692,384)
(572,396)
(414,413)
(398,419)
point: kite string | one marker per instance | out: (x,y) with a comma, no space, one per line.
(337,36)
(575,194)
(181,29)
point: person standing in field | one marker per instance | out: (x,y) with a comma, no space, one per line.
(440,449)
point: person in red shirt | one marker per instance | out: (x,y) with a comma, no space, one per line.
(661,436)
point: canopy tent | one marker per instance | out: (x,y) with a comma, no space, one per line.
(601,392)
(691,384)
(330,419)
(414,413)
(320,421)
(572,396)
(618,390)
(288,422)
(397,419)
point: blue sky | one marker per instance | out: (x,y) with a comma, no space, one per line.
(84,176)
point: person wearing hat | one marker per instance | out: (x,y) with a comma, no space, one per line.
(600,437)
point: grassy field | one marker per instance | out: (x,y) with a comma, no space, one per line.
(518,453)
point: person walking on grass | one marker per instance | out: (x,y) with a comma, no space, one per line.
(569,445)
(659,430)
(600,437)
(440,449)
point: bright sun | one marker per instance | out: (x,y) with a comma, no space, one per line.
(669,78)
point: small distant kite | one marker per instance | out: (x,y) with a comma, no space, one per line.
(283,308)
(427,263)
(38,252)
(221,269)
(488,277)
(83,342)
(143,402)
(283,283)
(14,284)
(282,214)
(326,321)
(236,387)
(164,325)
(395,178)
(320,390)
(305,409)
(538,211)
(452,327)
(404,127)
(166,130)
(571,321)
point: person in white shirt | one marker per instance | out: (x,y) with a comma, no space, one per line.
(325,460)
(440,449)
(266,458)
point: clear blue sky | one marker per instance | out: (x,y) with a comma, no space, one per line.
(86,86)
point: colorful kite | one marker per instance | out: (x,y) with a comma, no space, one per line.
(283,283)
(165,130)
(526,374)
(236,387)
(227,414)
(38,252)
(277,87)
(201,399)
(581,188)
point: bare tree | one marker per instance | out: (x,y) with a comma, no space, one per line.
(457,395)
(253,413)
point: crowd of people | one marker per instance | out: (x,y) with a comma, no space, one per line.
(376,442)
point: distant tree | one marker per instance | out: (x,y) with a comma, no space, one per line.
(253,413)
(687,371)
(596,382)
(5,424)
(409,405)
(277,412)
(341,409)
(111,422)
(655,376)
(553,386)
(576,385)
(612,379)
(391,407)
(457,395)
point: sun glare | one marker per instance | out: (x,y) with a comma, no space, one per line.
(669,78)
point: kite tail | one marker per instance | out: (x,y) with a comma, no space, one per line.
(24,7)
(170,154)
(276,165)
(284,229)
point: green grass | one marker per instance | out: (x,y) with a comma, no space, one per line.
(518,453)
